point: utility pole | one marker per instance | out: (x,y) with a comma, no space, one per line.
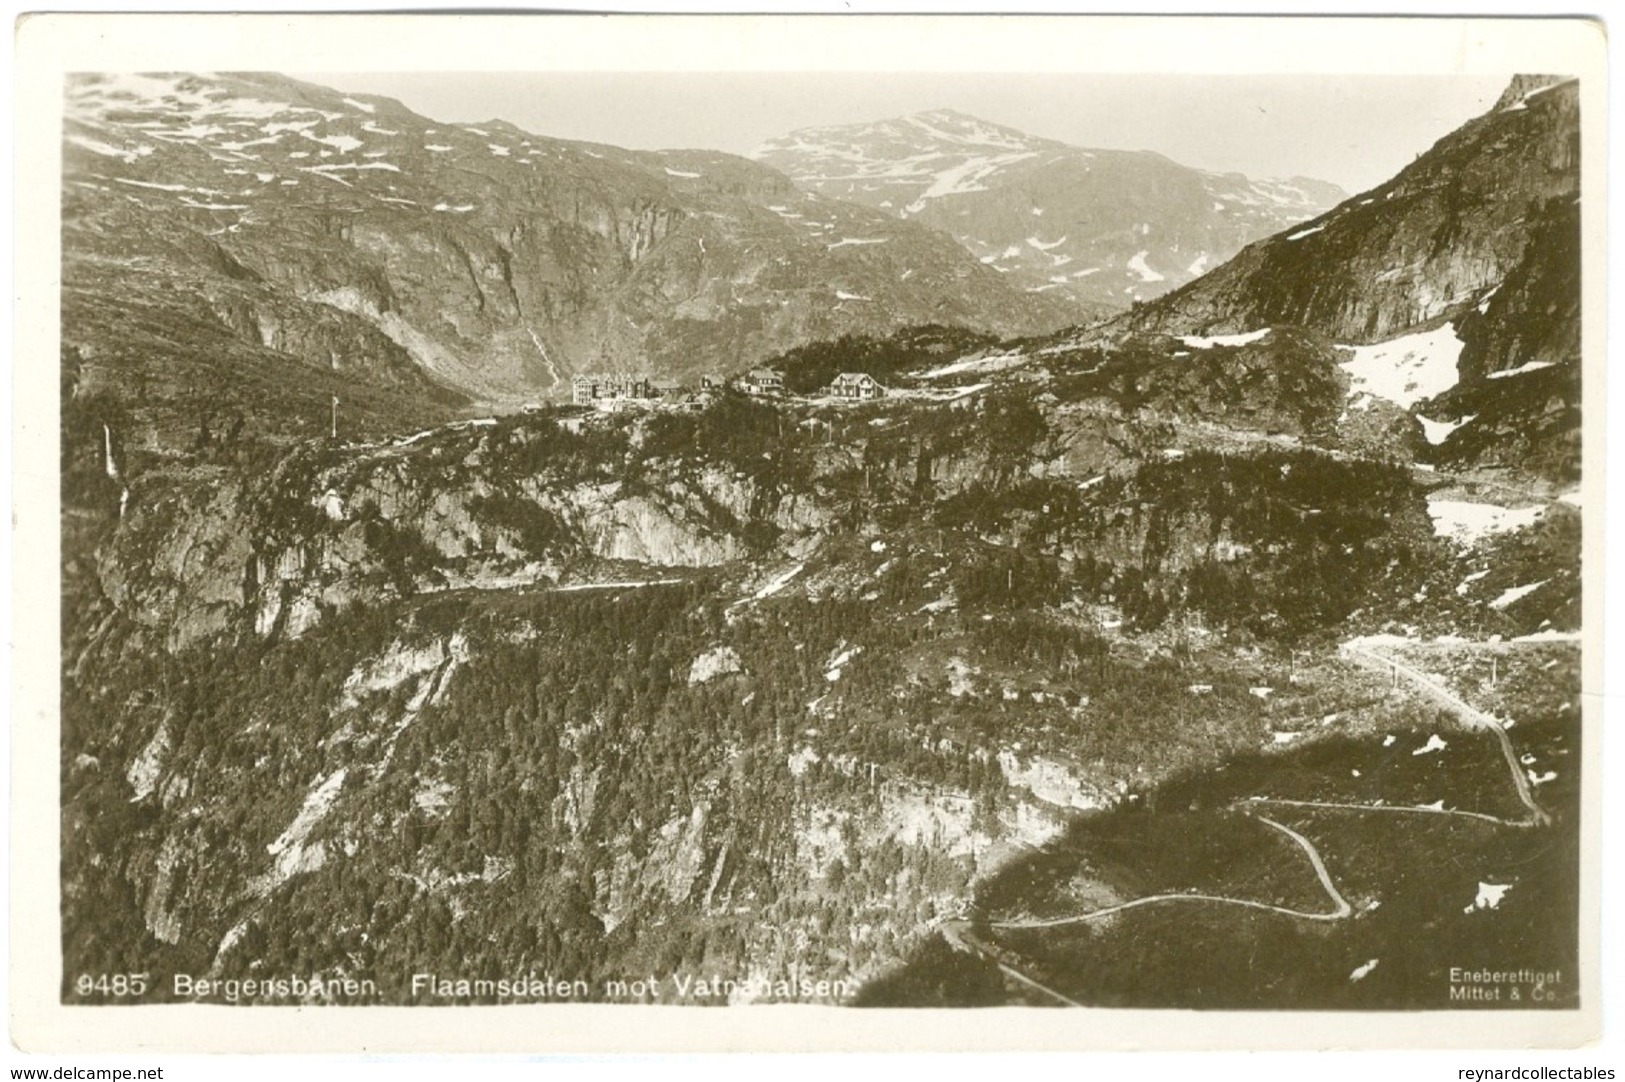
(334,431)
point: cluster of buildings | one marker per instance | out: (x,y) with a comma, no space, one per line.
(615,390)
(855,386)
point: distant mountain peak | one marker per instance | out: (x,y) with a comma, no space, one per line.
(971,128)
(1104,227)
(1522,86)
(496,261)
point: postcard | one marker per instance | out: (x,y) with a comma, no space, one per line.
(915,532)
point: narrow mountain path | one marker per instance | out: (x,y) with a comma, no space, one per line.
(1413,809)
(959,937)
(1340,906)
(1471,715)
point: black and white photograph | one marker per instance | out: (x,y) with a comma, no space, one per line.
(897,538)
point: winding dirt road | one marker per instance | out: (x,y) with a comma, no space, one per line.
(1340,906)
(1471,715)
(959,935)
(1412,809)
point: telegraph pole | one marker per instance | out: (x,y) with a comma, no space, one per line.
(334,431)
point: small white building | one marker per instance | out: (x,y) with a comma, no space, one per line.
(762,381)
(858,386)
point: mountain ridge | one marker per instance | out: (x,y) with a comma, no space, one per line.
(1481,233)
(499,261)
(1108,227)
(803,684)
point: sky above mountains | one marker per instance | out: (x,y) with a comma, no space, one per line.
(1355,131)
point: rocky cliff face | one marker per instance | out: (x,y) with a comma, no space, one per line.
(354,235)
(1106,227)
(687,693)
(760,689)
(470,506)
(1476,243)
(1439,236)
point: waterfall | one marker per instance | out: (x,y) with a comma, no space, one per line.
(107,453)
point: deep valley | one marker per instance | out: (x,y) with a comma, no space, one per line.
(490,555)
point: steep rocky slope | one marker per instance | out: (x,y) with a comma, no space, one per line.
(707,692)
(785,687)
(1466,265)
(355,235)
(1107,227)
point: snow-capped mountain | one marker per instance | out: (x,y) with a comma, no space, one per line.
(354,234)
(1108,227)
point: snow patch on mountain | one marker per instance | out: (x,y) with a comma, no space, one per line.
(966,177)
(341,166)
(1527,366)
(1490,894)
(1405,370)
(1516,594)
(163,187)
(342,143)
(1436,432)
(995,363)
(96,146)
(1467,523)
(1196,341)
(1139,266)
